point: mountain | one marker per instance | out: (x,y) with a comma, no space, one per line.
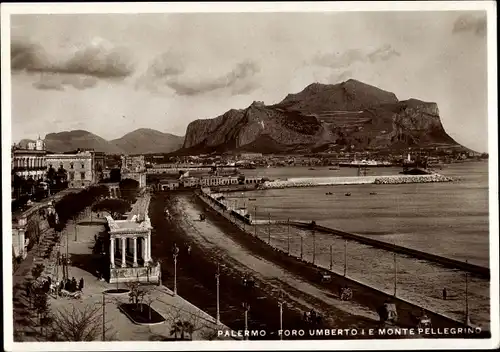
(71,140)
(145,140)
(141,141)
(322,117)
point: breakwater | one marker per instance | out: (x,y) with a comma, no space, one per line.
(353,180)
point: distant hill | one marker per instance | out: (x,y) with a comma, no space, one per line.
(322,117)
(141,141)
(145,140)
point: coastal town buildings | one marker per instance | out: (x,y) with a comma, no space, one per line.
(134,167)
(83,167)
(30,161)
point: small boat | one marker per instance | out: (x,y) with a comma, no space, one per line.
(348,194)
(252,199)
(373,193)
(328,193)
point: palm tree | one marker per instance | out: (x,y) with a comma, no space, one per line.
(182,328)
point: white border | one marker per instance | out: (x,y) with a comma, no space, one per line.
(66,8)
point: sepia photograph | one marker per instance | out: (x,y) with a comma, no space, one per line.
(258,176)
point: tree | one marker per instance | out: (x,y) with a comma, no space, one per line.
(115,175)
(115,207)
(185,323)
(136,294)
(78,325)
(181,328)
(37,271)
(129,189)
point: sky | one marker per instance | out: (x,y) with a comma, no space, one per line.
(110,74)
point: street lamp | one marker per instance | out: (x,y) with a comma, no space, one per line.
(176,253)
(217,276)
(281,302)
(246,307)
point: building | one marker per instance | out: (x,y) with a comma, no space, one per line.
(83,167)
(130,250)
(31,161)
(169,185)
(134,167)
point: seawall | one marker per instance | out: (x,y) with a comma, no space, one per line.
(353,180)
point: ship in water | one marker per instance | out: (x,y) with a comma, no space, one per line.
(367,163)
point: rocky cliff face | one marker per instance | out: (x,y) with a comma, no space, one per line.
(346,114)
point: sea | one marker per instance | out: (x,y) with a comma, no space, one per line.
(447,219)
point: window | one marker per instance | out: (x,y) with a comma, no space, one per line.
(71,165)
(82,175)
(83,166)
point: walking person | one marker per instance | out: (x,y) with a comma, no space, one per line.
(445,293)
(73,284)
(80,286)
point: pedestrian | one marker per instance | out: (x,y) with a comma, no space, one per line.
(61,285)
(444,293)
(189,250)
(81,284)
(73,284)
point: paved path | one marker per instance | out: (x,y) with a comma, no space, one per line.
(118,326)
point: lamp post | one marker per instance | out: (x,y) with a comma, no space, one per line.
(395,275)
(217,276)
(345,258)
(288,246)
(281,302)
(176,253)
(301,247)
(75,220)
(467,318)
(314,246)
(255,221)
(331,257)
(269,229)
(103,317)
(246,307)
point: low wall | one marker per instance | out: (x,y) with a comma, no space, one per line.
(131,274)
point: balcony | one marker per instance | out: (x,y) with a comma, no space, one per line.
(28,168)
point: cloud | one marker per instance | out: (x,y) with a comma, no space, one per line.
(352,56)
(52,81)
(470,23)
(99,59)
(167,71)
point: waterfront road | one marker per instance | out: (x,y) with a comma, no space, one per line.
(216,241)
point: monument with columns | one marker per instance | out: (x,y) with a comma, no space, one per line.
(130,250)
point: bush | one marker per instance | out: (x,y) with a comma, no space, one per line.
(116,207)
(129,189)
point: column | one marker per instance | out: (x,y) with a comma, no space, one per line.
(148,247)
(112,251)
(135,252)
(124,248)
(145,248)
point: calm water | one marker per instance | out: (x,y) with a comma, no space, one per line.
(449,219)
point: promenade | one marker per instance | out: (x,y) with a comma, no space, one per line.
(78,240)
